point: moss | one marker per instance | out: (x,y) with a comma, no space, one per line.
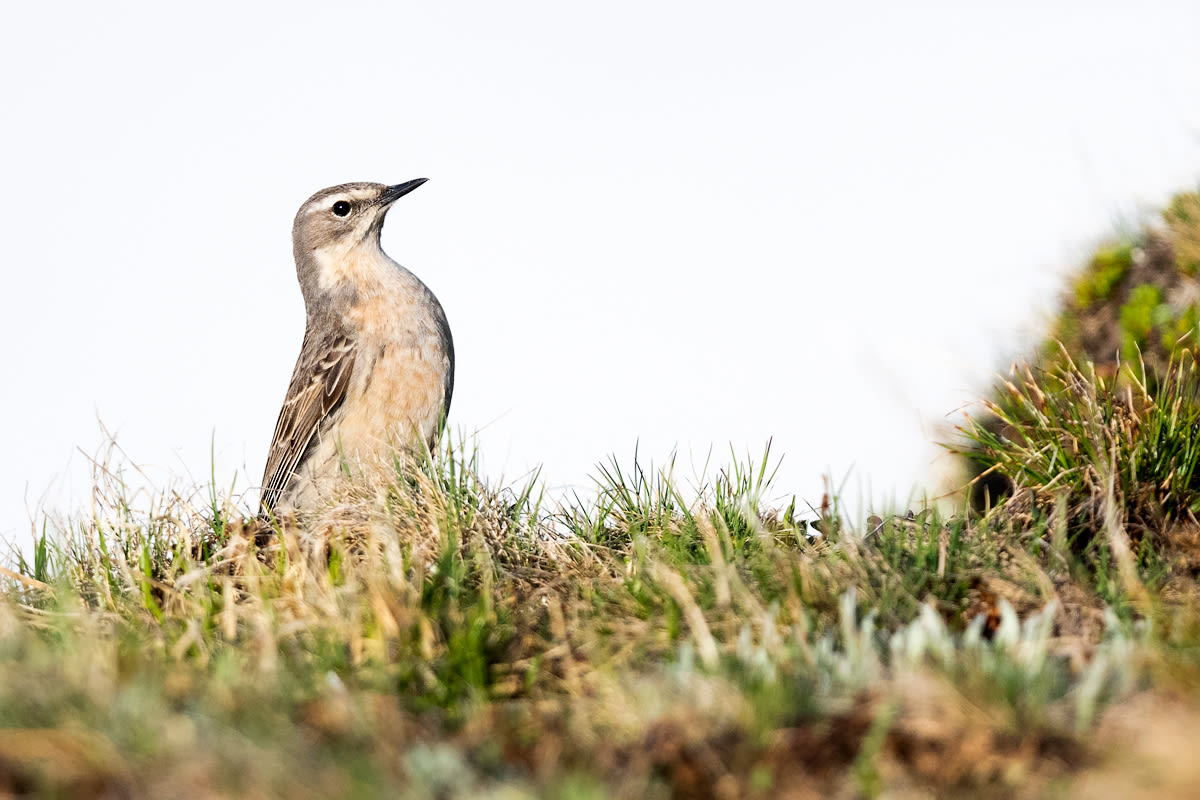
(1139,316)
(1108,268)
(1181,332)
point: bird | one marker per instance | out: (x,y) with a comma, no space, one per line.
(376,368)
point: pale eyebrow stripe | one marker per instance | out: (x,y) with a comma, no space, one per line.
(326,203)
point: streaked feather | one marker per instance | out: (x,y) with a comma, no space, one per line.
(317,388)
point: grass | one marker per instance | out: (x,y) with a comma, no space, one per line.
(434,636)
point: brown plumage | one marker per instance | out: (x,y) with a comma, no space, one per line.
(376,369)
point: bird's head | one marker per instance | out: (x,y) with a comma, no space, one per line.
(338,227)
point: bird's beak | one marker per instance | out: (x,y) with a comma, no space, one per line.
(393,193)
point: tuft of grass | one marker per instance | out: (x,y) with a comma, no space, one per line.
(1118,445)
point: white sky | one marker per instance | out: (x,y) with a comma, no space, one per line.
(684,224)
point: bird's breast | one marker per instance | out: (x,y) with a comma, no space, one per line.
(399,383)
(393,406)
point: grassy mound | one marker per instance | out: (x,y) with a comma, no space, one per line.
(434,637)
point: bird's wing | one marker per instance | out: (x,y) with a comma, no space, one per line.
(318,386)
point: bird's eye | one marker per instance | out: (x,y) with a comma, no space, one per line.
(341,208)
